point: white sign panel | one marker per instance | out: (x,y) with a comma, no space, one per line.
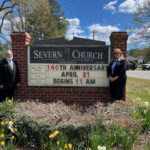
(67,71)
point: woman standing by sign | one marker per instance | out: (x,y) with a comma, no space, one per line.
(117,75)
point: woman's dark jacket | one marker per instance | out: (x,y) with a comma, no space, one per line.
(119,70)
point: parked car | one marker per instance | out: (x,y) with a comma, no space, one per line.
(131,65)
(146,66)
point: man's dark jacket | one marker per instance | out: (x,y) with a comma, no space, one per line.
(8,77)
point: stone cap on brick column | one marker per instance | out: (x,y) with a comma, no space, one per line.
(118,35)
(21,36)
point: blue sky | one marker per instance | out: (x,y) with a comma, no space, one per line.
(100,16)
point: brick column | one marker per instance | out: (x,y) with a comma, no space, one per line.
(19,42)
(119,40)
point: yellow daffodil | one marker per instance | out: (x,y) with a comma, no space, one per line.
(55,133)
(2,135)
(10,123)
(2,143)
(70,146)
(9,101)
(2,123)
(66,146)
(10,134)
(12,137)
(51,136)
(133,101)
(57,142)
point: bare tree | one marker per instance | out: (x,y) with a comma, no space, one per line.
(141,23)
(6,7)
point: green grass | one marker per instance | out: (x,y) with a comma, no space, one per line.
(138,88)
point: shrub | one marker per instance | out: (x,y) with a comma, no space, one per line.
(143,113)
(38,134)
(6,110)
(113,136)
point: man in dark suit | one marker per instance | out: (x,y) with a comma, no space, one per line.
(9,76)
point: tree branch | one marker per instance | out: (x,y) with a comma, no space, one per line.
(3,19)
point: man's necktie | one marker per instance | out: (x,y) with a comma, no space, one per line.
(11,64)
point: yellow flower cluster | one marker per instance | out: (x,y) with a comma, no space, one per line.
(10,124)
(2,136)
(51,136)
(6,122)
(68,146)
(2,143)
(4,126)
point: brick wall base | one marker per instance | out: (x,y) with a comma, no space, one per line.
(83,96)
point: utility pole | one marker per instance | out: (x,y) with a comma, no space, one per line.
(93,35)
(73,34)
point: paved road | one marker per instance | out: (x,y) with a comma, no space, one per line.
(143,74)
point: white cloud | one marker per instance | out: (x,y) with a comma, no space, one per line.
(5,30)
(73,28)
(127,6)
(110,6)
(137,35)
(135,40)
(102,33)
(2,13)
(130,6)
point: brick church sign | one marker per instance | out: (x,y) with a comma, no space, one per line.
(71,71)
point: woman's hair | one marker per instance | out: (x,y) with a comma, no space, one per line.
(117,50)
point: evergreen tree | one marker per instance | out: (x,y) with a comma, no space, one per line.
(147,54)
(3,48)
